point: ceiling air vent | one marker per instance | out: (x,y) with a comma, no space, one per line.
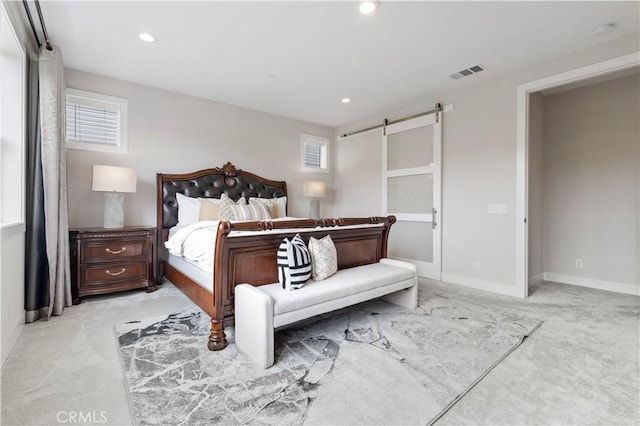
(467,72)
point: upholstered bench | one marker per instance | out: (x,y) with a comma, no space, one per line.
(259,310)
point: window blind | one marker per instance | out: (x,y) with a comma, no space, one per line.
(312,155)
(92,122)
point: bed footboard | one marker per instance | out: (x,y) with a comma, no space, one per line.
(251,258)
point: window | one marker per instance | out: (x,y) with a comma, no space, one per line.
(96,122)
(314,153)
(12,126)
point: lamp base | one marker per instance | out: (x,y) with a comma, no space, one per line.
(314,208)
(113,209)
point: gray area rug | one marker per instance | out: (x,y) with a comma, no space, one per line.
(374,363)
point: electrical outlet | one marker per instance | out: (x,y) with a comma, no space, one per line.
(579,263)
(476,266)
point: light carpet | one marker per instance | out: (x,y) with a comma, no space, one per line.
(373,363)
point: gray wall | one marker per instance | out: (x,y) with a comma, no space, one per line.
(174,133)
(592,181)
(479,168)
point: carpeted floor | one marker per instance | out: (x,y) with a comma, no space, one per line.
(329,370)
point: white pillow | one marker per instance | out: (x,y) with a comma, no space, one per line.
(281,202)
(188,210)
(324,257)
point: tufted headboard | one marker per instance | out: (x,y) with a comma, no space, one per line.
(209,183)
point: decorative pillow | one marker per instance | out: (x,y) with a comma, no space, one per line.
(324,257)
(251,212)
(265,203)
(281,203)
(209,208)
(294,263)
(277,206)
(188,210)
(228,207)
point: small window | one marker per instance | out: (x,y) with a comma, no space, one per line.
(96,122)
(314,153)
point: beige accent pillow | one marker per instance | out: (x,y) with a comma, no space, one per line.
(209,209)
(324,258)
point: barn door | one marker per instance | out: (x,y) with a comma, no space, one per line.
(411,164)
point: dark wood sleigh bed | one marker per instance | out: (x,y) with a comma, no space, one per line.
(252,258)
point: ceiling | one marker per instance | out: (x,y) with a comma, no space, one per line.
(299,59)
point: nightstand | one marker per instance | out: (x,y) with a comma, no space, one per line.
(109,260)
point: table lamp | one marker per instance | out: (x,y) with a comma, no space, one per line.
(314,190)
(114,181)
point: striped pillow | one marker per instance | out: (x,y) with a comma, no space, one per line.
(251,212)
(277,206)
(294,263)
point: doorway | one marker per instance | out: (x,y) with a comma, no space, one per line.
(602,70)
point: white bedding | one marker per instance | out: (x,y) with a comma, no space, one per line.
(197,242)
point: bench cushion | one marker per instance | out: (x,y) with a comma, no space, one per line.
(343,283)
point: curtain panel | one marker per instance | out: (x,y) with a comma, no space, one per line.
(56,290)
(36,263)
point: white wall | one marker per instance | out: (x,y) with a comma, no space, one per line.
(12,246)
(592,182)
(479,168)
(12,279)
(175,133)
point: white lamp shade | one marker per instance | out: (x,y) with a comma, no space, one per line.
(315,189)
(113,179)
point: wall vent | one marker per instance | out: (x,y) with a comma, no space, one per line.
(467,72)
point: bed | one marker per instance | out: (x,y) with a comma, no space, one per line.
(245,251)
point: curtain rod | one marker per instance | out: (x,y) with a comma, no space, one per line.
(385,123)
(46,42)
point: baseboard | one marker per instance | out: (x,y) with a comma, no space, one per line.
(8,342)
(591,283)
(504,289)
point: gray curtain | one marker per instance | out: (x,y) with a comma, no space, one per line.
(53,166)
(36,264)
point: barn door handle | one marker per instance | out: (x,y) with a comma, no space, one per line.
(433,218)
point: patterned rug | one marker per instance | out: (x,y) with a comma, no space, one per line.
(373,363)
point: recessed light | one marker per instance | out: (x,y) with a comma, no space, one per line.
(367,7)
(147,37)
(345,100)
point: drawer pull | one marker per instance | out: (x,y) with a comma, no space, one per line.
(123,249)
(115,274)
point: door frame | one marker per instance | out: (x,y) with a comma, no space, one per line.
(522,149)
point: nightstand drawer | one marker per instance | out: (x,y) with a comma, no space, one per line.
(99,274)
(112,250)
